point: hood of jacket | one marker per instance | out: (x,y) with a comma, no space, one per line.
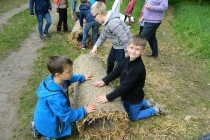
(111,15)
(84,7)
(47,85)
(85,14)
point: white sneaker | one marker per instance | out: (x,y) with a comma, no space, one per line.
(158,110)
(150,103)
(34,132)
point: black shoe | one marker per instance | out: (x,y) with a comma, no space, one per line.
(59,32)
(47,34)
(151,55)
(67,31)
(41,37)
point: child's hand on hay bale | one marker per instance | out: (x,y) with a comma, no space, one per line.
(90,108)
(94,50)
(80,27)
(99,83)
(88,76)
(101,99)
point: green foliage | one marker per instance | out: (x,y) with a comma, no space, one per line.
(191,25)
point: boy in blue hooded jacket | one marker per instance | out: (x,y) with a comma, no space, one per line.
(53,114)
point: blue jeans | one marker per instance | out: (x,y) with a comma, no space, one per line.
(114,55)
(149,32)
(73,5)
(138,111)
(95,26)
(40,18)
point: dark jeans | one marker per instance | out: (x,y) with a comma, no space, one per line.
(149,32)
(62,17)
(114,55)
(40,18)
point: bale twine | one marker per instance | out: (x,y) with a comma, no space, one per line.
(75,38)
(110,121)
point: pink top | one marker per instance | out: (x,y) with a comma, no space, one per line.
(130,6)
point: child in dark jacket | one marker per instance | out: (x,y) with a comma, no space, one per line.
(90,23)
(53,114)
(42,10)
(61,8)
(132,75)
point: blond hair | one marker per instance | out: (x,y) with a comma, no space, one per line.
(98,7)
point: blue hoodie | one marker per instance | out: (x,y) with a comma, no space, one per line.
(85,14)
(53,108)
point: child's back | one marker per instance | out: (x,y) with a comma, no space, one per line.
(116,31)
(85,13)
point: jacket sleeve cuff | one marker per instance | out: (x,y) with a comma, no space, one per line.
(108,97)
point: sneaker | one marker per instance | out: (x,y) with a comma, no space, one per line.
(46,138)
(80,47)
(34,132)
(47,34)
(150,103)
(41,37)
(59,32)
(158,110)
(67,31)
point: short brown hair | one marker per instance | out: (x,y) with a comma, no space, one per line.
(83,1)
(138,40)
(57,64)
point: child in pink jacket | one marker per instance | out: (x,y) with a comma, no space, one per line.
(129,10)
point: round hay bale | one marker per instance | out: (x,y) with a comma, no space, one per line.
(75,37)
(110,121)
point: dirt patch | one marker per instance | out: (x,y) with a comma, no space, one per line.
(15,70)
(4,17)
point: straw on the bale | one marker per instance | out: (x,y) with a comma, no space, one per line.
(110,121)
(75,38)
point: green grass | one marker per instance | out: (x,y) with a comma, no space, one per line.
(13,33)
(7,5)
(182,91)
(191,25)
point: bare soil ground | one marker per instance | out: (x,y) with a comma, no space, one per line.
(15,70)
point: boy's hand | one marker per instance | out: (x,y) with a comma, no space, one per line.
(49,10)
(88,76)
(101,99)
(99,83)
(93,51)
(90,108)
(80,27)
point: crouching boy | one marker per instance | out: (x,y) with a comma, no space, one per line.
(53,114)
